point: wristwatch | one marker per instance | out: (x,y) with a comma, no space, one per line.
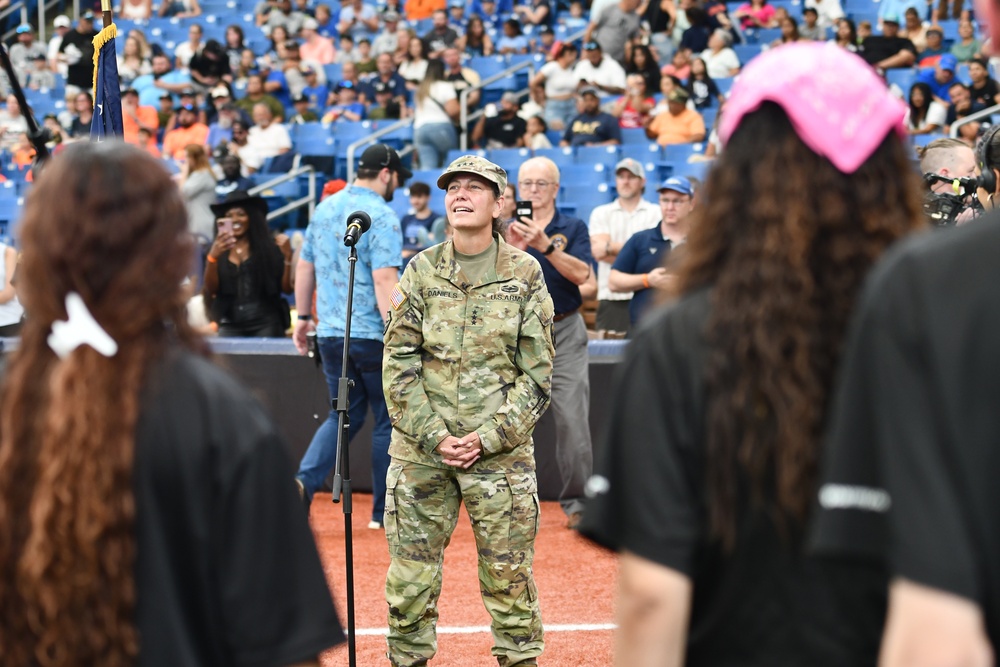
(305,318)
(551,249)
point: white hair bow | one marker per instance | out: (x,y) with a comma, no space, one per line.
(80,328)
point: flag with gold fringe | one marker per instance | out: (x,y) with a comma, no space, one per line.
(107,122)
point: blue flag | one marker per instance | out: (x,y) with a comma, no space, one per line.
(107,121)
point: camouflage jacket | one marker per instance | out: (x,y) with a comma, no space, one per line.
(463,357)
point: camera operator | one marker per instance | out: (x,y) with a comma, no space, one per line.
(950,171)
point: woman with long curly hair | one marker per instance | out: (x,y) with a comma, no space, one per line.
(147,513)
(710,471)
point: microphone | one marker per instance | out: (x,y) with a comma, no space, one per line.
(357,224)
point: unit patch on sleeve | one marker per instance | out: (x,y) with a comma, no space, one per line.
(397,298)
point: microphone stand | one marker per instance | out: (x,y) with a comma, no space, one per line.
(342,468)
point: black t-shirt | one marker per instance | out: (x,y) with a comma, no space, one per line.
(910,472)
(765,603)
(81,73)
(503,132)
(985,95)
(877,48)
(703,92)
(227,571)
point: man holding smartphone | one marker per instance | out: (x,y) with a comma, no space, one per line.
(561,244)
(324,266)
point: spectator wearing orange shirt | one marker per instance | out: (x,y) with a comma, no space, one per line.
(417,10)
(136,117)
(678,124)
(188,131)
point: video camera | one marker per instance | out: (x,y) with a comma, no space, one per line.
(943,208)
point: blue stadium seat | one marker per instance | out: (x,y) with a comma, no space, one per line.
(746,52)
(509,158)
(606,155)
(762,36)
(682,152)
(648,151)
(305,133)
(456,153)
(487,66)
(589,175)
(902,77)
(924,139)
(725,84)
(562,156)
(587,198)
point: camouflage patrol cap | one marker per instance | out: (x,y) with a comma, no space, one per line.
(474,164)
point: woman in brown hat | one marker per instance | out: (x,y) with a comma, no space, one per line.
(246,270)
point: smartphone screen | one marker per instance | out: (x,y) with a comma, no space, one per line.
(225,225)
(523,209)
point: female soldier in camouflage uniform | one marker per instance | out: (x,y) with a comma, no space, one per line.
(467,368)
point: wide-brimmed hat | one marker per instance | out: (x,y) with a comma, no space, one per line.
(241,199)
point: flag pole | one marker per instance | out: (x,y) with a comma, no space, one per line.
(106,16)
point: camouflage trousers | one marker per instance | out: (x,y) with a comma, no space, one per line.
(421,511)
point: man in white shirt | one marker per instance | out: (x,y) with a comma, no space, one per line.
(61,25)
(611,225)
(597,70)
(267,138)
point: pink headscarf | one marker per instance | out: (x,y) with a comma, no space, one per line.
(838,106)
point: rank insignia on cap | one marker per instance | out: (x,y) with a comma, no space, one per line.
(397,298)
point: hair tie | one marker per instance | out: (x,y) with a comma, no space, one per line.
(79,328)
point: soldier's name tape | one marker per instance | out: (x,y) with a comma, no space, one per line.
(475,630)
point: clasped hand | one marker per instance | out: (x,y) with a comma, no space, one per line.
(461,452)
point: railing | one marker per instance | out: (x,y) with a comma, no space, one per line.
(465,117)
(309,200)
(382,131)
(463,99)
(21,7)
(972,118)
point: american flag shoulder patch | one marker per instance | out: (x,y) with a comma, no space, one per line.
(397,298)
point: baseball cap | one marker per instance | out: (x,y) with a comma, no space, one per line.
(890,18)
(380,156)
(307,70)
(477,165)
(456,3)
(948,62)
(345,84)
(546,30)
(220,91)
(310,24)
(677,184)
(591,46)
(89,16)
(858,109)
(631,165)
(390,16)
(186,107)
(130,91)
(62,21)
(381,87)
(23,28)
(678,95)
(590,90)
(939,31)
(511,97)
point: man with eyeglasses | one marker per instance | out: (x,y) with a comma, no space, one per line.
(639,266)
(561,244)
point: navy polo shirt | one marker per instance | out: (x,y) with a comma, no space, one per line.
(565,294)
(643,252)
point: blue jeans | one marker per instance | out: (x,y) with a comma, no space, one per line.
(433,141)
(364,366)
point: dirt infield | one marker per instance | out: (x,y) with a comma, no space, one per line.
(576,583)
